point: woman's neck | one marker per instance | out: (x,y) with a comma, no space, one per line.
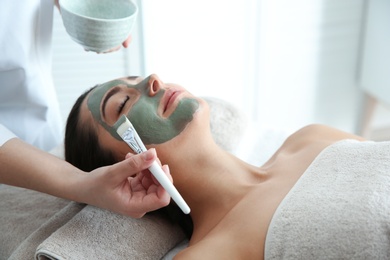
(211,180)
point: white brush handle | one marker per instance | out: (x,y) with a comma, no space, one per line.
(163,179)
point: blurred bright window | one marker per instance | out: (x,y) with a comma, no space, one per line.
(284,63)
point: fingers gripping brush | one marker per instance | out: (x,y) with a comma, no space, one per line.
(127,132)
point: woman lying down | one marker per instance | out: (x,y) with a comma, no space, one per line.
(316,197)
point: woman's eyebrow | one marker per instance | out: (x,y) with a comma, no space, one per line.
(110,93)
(133,77)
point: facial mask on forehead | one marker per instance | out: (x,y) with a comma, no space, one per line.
(151,128)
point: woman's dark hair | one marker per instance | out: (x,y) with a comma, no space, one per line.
(82,149)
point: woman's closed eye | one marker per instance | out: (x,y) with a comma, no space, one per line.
(117,101)
(122,104)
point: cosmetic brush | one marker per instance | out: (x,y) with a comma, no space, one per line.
(127,132)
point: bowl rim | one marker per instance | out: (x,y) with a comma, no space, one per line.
(101,19)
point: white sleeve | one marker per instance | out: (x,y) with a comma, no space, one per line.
(5,134)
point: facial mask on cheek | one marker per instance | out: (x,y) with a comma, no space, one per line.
(153,129)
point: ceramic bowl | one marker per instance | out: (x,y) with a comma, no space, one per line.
(98,25)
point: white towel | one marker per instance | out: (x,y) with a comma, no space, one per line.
(339,209)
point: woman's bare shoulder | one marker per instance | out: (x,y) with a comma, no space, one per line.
(318,131)
(319,134)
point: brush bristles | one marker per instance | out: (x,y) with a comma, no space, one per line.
(122,125)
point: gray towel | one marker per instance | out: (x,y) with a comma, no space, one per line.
(22,212)
(339,209)
(99,234)
(26,249)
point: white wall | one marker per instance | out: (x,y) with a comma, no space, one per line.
(286,63)
(374,76)
(201,45)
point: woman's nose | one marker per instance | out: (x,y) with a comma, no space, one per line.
(155,85)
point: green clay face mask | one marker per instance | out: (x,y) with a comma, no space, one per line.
(151,128)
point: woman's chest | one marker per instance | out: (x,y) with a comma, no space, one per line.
(243,230)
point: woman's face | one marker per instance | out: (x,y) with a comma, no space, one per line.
(159,112)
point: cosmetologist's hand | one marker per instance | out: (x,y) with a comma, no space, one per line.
(127,187)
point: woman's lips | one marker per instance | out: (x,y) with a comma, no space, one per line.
(171,96)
